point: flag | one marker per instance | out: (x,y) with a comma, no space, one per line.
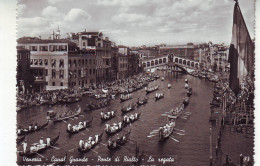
(241,51)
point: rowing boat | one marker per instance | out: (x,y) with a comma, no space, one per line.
(27,131)
(29,153)
(151,89)
(131,120)
(159,96)
(57,119)
(163,136)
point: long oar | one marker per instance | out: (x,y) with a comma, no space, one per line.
(54,147)
(72,149)
(94,151)
(179,130)
(149,136)
(178,133)
(81,115)
(164,115)
(81,133)
(174,139)
(40,155)
(76,117)
(103,144)
(64,121)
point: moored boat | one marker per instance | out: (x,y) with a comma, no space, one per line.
(128,108)
(151,89)
(142,102)
(189,92)
(125,97)
(94,106)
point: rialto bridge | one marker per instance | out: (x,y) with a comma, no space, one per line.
(171,62)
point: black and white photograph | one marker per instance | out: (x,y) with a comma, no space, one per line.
(135,82)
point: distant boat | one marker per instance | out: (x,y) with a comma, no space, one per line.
(162,78)
(169,86)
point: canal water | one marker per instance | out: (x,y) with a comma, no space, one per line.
(192,148)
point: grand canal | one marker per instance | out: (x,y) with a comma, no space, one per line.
(192,148)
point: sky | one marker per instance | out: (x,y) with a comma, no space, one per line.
(135,22)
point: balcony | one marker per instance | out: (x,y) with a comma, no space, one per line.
(40,79)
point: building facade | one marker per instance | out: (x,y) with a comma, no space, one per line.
(122,66)
(24,77)
(183,51)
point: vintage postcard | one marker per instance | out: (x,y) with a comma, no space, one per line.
(135,82)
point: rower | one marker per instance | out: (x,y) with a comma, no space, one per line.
(33,148)
(136,114)
(41,141)
(90,139)
(112,113)
(86,145)
(102,114)
(107,127)
(118,137)
(48,141)
(19,130)
(69,127)
(24,146)
(125,118)
(35,126)
(30,127)
(84,124)
(109,142)
(119,125)
(80,124)
(96,138)
(81,143)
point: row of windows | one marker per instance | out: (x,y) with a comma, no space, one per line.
(82,62)
(82,73)
(51,48)
(19,56)
(123,65)
(54,73)
(81,83)
(46,62)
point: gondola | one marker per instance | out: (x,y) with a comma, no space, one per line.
(151,89)
(119,142)
(142,102)
(128,108)
(57,119)
(19,139)
(83,150)
(110,132)
(186,101)
(162,136)
(108,117)
(169,86)
(30,154)
(189,92)
(27,131)
(92,107)
(83,128)
(132,120)
(159,96)
(125,98)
